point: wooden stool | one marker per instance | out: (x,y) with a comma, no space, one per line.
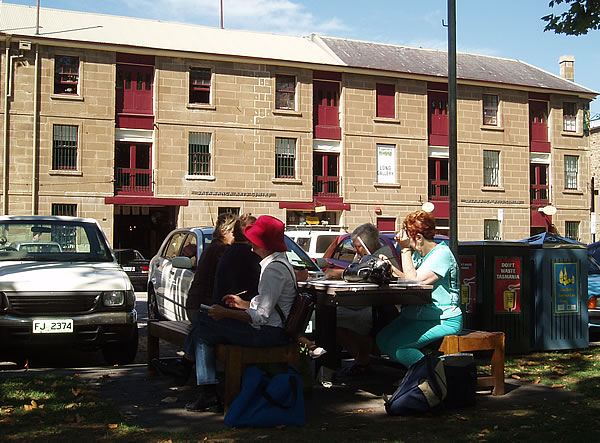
(469,341)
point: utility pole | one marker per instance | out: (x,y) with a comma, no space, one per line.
(452,142)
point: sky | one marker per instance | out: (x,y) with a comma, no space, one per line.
(509,28)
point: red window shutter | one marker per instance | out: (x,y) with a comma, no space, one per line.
(386,101)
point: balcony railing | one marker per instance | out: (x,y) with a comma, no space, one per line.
(133,181)
(326,186)
(439,190)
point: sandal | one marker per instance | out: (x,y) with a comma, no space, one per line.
(315,351)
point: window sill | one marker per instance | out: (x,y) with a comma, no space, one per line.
(387,120)
(492,128)
(387,185)
(573,191)
(571,134)
(287,181)
(288,112)
(75,173)
(206,107)
(210,178)
(492,189)
(71,97)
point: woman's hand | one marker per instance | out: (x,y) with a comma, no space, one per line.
(402,239)
(235,301)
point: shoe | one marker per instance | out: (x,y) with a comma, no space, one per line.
(316,351)
(177,368)
(205,402)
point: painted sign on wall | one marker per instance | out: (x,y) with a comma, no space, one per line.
(467,282)
(508,284)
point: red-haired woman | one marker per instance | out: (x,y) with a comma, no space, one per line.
(430,263)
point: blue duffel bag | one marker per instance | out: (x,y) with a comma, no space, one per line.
(268,401)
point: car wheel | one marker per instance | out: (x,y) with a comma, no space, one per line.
(152,305)
(122,353)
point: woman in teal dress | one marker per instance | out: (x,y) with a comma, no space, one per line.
(431,263)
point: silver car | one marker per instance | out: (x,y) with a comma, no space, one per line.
(171,270)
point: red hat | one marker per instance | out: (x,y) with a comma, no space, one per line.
(267,233)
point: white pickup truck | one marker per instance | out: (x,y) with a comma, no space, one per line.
(60,284)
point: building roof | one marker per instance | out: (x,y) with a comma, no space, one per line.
(469,67)
(85,27)
(76,28)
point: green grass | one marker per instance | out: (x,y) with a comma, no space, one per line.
(51,408)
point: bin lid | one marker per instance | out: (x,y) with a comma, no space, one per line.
(548,239)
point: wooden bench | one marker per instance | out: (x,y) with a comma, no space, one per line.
(470,341)
(236,358)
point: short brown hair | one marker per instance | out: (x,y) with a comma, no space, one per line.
(240,224)
(420,222)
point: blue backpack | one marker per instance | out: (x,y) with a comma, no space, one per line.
(422,389)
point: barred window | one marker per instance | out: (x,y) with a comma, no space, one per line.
(491,230)
(490,110)
(199,153)
(285,157)
(570,117)
(285,96)
(64,209)
(64,147)
(200,84)
(571,171)
(66,74)
(491,168)
(572,230)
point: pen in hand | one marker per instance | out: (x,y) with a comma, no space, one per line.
(241,293)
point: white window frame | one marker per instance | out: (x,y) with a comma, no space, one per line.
(295,101)
(491,174)
(492,225)
(571,172)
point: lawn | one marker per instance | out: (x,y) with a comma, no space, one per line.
(67,408)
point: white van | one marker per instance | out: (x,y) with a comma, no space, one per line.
(314,242)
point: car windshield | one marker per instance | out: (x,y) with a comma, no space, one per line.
(298,258)
(52,240)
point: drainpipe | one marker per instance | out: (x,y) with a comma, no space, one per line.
(7,64)
(35,176)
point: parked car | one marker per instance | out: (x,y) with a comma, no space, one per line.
(594,287)
(64,288)
(314,242)
(172,270)
(135,266)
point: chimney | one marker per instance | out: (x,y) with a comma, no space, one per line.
(567,67)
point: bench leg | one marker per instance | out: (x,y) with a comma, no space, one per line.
(498,370)
(233,377)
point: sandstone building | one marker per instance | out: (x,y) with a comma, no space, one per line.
(147,125)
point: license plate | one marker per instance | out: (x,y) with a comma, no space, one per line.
(128,268)
(62,326)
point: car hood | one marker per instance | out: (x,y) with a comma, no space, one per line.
(62,277)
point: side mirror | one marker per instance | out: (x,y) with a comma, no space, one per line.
(321,262)
(182,262)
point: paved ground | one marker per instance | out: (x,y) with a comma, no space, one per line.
(153,402)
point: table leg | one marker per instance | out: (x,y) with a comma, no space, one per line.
(325,318)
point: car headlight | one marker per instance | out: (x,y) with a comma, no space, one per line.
(113,298)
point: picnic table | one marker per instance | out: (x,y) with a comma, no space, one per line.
(333,293)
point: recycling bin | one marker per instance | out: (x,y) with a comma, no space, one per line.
(560,290)
(495,290)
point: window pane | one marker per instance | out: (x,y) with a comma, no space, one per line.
(64,147)
(66,74)
(199,153)
(491,230)
(285,158)
(490,110)
(285,92)
(569,117)
(571,171)
(572,230)
(386,101)
(491,168)
(200,83)
(64,209)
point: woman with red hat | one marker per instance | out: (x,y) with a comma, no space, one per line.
(255,323)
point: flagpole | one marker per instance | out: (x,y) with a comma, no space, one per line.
(221,14)
(37,19)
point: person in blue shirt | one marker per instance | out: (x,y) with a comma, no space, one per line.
(430,263)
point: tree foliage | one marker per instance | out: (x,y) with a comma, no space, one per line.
(581,17)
